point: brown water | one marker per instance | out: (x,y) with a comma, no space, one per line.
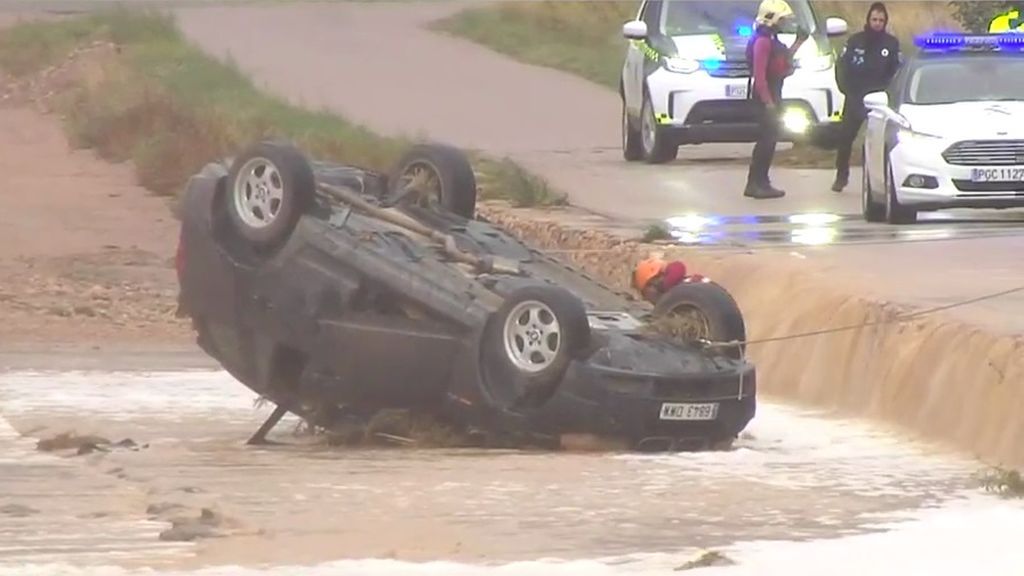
(794,475)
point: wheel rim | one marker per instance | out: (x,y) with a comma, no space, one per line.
(259,193)
(424,178)
(532,336)
(648,127)
(689,323)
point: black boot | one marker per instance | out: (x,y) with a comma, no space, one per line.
(762,191)
(841,181)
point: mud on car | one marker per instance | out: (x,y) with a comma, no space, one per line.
(334,290)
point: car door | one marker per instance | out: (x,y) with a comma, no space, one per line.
(633,70)
(637,62)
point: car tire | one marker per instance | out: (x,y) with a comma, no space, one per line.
(448,172)
(654,144)
(894,212)
(632,148)
(269,186)
(873,211)
(525,363)
(710,305)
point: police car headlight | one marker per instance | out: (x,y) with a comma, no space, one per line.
(681,65)
(817,63)
(796,121)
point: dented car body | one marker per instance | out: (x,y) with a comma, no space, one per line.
(368,297)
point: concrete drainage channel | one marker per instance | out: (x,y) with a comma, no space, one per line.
(933,377)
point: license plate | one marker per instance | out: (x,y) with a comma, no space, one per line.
(997,174)
(670,411)
(736,91)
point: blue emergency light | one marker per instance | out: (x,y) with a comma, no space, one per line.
(744,31)
(953,41)
(711,64)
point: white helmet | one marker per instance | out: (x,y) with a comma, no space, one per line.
(770,12)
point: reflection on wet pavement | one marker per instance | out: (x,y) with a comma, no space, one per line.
(795,475)
(823,228)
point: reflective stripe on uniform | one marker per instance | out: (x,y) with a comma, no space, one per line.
(1010,21)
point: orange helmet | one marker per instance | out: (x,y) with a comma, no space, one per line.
(646,270)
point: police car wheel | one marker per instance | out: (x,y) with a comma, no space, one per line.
(873,211)
(656,148)
(631,146)
(894,212)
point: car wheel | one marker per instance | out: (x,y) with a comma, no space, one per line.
(270,184)
(529,342)
(873,211)
(894,212)
(703,311)
(654,145)
(442,172)
(632,149)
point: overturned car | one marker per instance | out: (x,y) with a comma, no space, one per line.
(336,291)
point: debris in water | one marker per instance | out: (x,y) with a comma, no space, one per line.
(69,441)
(17,510)
(85,444)
(707,560)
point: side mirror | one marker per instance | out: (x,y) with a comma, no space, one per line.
(879,102)
(876,101)
(835,26)
(635,30)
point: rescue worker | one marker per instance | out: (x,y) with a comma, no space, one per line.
(1010,21)
(771,63)
(867,64)
(653,277)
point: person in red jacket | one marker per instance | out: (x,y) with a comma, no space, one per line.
(771,63)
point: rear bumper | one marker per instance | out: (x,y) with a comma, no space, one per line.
(628,406)
(701,108)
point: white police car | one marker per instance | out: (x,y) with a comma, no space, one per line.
(684,79)
(949,131)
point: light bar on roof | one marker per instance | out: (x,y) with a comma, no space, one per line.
(954,41)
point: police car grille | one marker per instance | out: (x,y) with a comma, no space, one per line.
(985,153)
(730,69)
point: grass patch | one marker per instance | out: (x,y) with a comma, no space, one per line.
(168,108)
(584,38)
(1006,483)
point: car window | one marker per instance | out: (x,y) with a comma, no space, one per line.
(726,17)
(966,80)
(651,14)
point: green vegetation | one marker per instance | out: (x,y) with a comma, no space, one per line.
(169,108)
(584,38)
(1006,483)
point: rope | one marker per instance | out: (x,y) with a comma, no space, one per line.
(897,319)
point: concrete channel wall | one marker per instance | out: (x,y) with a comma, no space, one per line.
(933,377)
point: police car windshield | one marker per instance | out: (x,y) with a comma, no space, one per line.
(978,78)
(726,17)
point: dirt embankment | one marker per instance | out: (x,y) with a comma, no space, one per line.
(935,376)
(86,255)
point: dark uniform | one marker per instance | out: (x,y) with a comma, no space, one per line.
(867,64)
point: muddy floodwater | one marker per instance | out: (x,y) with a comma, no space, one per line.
(177,448)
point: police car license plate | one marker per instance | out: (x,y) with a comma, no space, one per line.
(672,411)
(736,91)
(997,174)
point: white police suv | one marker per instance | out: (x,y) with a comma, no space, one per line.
(685,76)
(949,131)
